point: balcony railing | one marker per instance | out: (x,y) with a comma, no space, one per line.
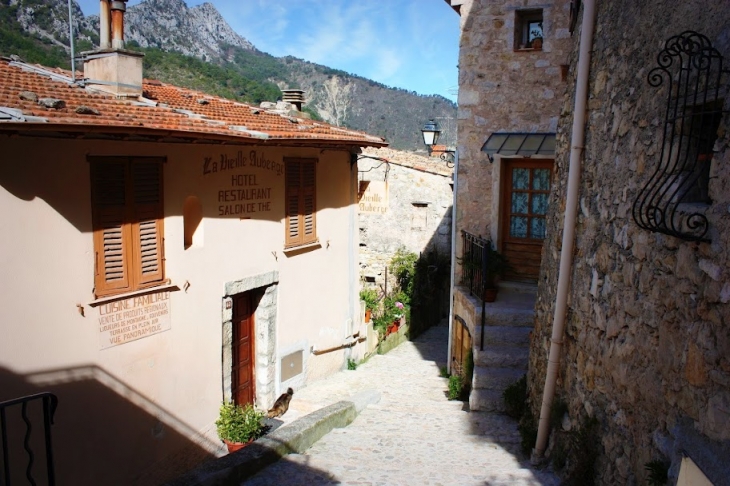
(474,263)
(28,408)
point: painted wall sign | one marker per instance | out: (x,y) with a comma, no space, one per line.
(126,320)
(243,194)
(373,197)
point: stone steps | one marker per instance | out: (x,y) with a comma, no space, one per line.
(508,324)
(486,400)
(503,335)
(502,357)
(495,378)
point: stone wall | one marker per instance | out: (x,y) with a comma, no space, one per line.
(646,348)
(503,89)
(419,213)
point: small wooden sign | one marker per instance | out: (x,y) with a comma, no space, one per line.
(373,197)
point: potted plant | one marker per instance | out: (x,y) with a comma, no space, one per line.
(496,266)
(536,34)
(370,297)
(238,425)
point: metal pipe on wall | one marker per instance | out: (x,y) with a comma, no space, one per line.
(105,36)
(453,259)
(577,142)
(71,40)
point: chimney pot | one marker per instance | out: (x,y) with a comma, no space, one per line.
(293,96)
(118,9)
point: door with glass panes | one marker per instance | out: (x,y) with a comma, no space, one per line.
(524,204)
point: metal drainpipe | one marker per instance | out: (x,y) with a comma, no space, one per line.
(453,258)
(352,244)
(71,39)
(571,210)
(105,22)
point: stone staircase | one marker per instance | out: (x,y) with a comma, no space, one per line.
(503,361)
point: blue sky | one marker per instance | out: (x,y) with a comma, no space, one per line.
(409,44)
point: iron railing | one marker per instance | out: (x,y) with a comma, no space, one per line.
(474,263)
(48,402)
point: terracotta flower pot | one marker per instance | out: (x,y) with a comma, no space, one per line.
(490,295)
(368,313)
(234,446)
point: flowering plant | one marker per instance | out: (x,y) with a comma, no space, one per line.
(399,306)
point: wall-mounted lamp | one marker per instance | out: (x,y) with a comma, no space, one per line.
(431,133)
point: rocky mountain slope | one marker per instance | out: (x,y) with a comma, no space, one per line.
(195,47)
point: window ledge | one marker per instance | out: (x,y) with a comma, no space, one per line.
(528,49)
(293,249)
(126,295)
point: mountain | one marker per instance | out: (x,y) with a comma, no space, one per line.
(195,47)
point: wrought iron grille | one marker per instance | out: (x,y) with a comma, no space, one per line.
(691,73)
(474,263)
(48,403)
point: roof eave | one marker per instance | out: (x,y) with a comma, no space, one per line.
(124,133)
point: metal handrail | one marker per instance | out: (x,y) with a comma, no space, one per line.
(49,404)
(474,263)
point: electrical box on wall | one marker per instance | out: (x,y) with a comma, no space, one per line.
(291,365)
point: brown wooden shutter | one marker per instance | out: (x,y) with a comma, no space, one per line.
(309,202)
(301,203)
(147,229)
(293,185)
(111,238)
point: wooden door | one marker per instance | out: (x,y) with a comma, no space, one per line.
(460,347)
(242,376)
(524,205)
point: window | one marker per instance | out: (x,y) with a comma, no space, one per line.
(700,130)
(301,202)
(127,220)
(528,29)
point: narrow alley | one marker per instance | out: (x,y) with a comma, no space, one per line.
(412,435)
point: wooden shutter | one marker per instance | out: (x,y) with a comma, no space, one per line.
(309,201)
(293,185)
(127,218)
(147,229)
(301,204)
(109,220)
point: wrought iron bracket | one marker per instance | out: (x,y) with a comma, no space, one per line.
(691,73)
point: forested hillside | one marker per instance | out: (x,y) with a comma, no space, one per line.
(219,61)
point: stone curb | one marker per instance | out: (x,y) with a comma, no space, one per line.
(296,437)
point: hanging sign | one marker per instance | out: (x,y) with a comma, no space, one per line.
(373,197)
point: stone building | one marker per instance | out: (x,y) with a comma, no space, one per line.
(417,213)
(647,276)
(512,80)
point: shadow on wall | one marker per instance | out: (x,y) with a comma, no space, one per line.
(35,173)
(104,432)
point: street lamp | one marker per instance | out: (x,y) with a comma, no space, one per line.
(431,132)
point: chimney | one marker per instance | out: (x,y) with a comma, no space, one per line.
(111,68)
(293,96)
(118,9)
(105,39)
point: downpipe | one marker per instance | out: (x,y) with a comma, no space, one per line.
(577,142)
(453,259)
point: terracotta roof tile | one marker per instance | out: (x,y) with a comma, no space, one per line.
(163,108)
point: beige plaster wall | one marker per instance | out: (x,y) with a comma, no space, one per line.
(158,396)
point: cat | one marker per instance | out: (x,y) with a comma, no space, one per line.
(281,405)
